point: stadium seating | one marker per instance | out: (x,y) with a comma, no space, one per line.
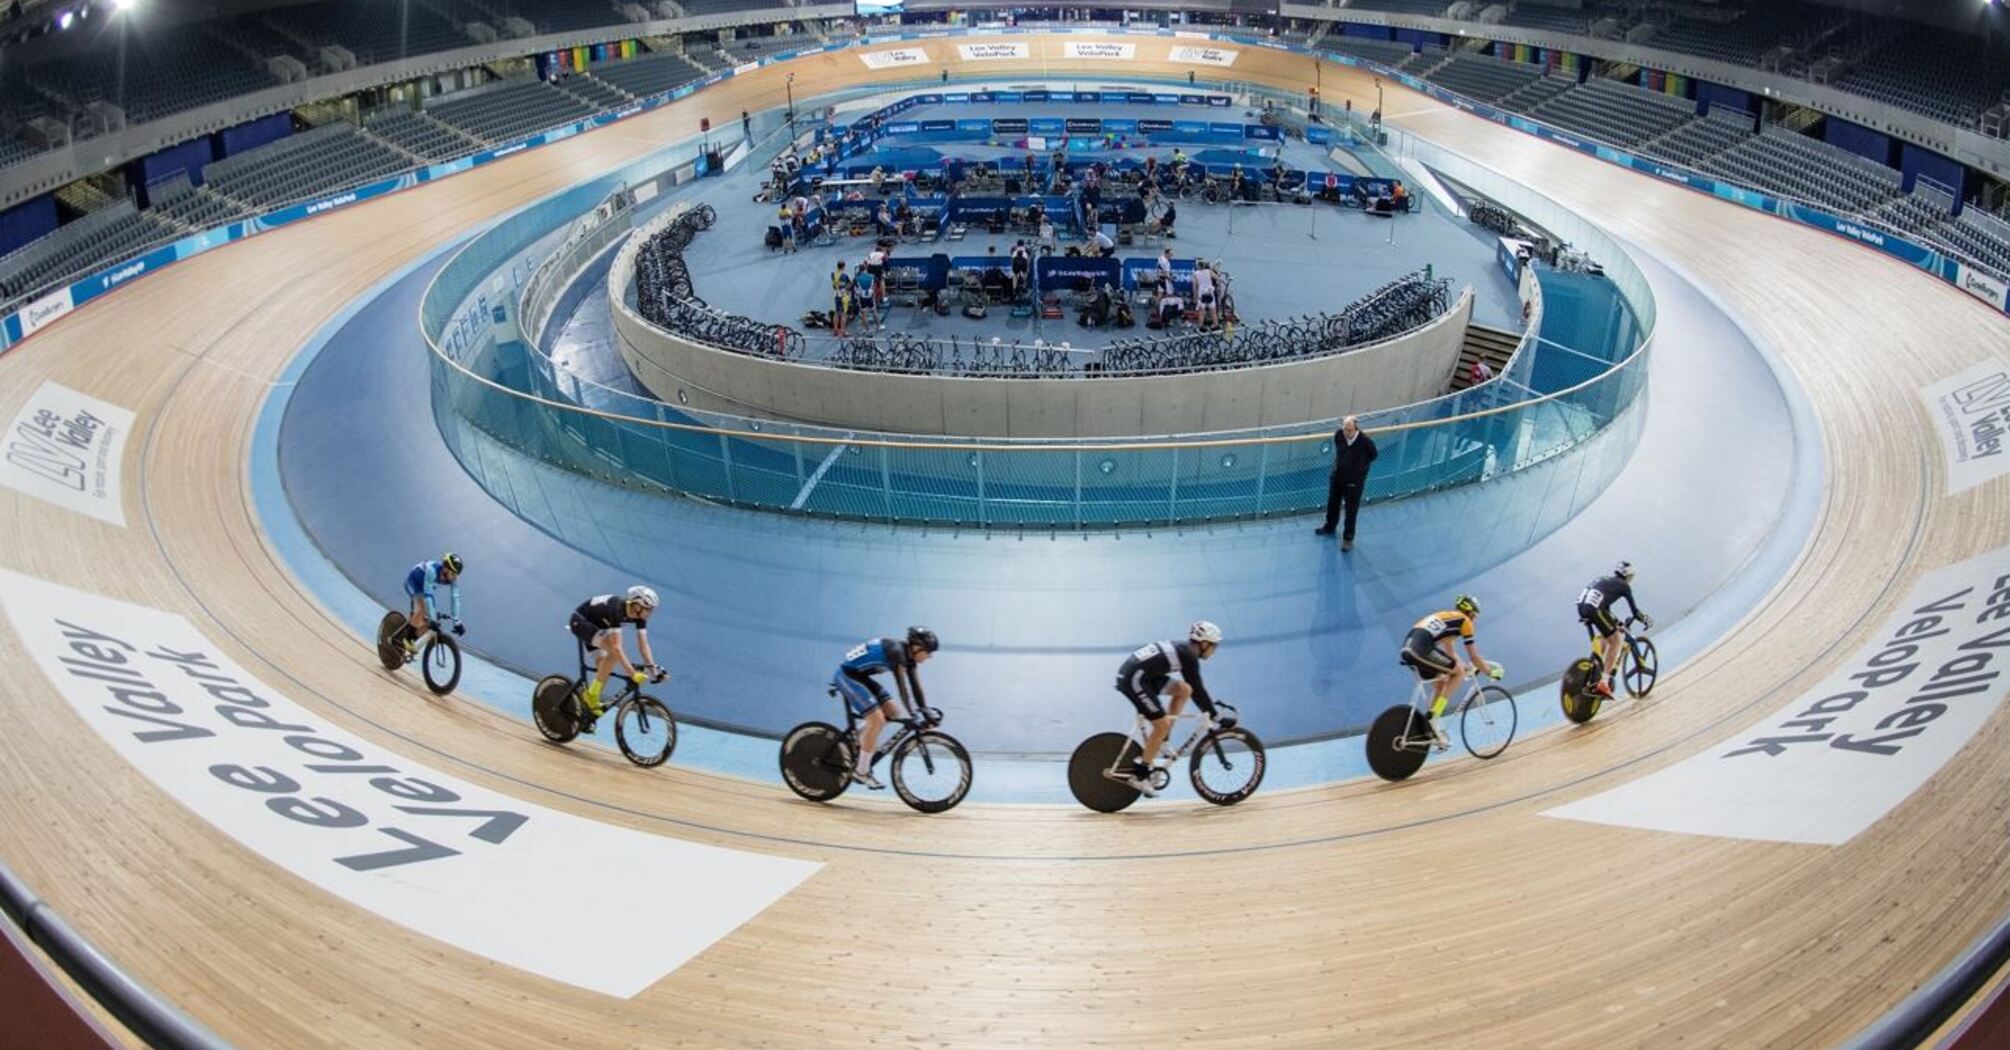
(1943,75)
(421,135)
(101,239)
(368,29)
(1615,113)
(1484,78)
(195,208)
(1691,143)
(1426,8)
(1978,238)
(1537,91)
(649,74)
(1796,166)
(329,158)
(170,71)
(511,111)
(1553,19)
(14,151)
(596,94)
(1387,52)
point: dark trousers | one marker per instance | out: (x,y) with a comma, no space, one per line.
(1340,492)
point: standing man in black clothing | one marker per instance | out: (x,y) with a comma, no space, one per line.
(1353,453)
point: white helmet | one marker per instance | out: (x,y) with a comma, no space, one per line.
(643,596)
(1204,631)
(1624,571)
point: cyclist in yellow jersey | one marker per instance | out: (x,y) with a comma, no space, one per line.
(1428,650)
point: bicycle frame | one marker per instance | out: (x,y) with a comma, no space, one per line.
(1141,728)
(909,726)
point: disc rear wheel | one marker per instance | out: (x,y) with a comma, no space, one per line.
(1087,770)
(389,652)
(554,710)
(1580,703)
(1390,761)
(816,761)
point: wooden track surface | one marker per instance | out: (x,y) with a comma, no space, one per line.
(1444,911)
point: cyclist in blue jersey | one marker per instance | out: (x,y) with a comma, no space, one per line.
(856,681)
(422,585)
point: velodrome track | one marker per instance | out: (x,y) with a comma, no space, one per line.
(1447,910)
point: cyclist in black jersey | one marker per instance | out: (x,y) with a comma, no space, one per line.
(1594,610)
(1147,672)
(597,624)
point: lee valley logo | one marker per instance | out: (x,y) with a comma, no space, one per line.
(1972,413)
(1099,49)
(442,856)
(1830,764)
(899,56)
(1202,56)
(66,448)
(994,51)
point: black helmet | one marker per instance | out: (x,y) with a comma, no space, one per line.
(923,639)
(452,563)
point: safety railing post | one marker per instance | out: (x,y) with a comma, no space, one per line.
(726,464)
(886,481)
(1172,497)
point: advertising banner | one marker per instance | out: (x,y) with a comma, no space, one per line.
(67,448)
(44,311)
(892,57)
(1202,56)
(1982,286)
(994,50)
(1838,758)
(1084,126)
(1008,125)
(1971,411)
(1099,49)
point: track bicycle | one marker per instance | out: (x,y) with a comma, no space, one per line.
(930,768)
(438,652)
(1226,765)
(643,727)
(1639,666)
(1400,738)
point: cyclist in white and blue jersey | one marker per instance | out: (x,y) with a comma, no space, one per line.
(422,586)
(856,680)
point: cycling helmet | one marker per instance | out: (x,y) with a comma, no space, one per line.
(1467,604)
(923,639)
(643,596)
(451,563)
(1204,631)
(1624,571)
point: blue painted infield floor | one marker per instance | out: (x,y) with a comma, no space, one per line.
(759,606)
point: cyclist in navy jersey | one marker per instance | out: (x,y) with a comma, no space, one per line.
(857,681)
(597,624)
(1594,610)
(1147,673)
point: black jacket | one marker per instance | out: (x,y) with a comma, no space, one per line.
(1350,462)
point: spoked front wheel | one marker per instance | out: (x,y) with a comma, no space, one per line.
(646,731)
(1398,743)
(1639,667)
(1487,721)
(554,710)
(1227,767)
(389,630)
(931,772)
(440,663)
(1087,770)
(816,761)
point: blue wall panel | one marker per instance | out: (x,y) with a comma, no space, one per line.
(1365,32)
(253,134)
(1727,97)
(1858,139)
(1420,36)
(26,221)
(1948,173)
(189,157)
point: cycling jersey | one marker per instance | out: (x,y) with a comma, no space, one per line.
(1594,606)
(856,679)
(1145,672)
(1445,623)
(424,580)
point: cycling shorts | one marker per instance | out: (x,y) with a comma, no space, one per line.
(415,581)
(1596,621)
(859,696)
(1421,651)
(589,632)
(1143,693)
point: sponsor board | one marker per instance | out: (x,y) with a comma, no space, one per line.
(1202,56)
(66,447)
(1833,762)
(892,57)
(745,68)
(1184,34)
(1099,49)
(1972,413)
(45,311)
(442,856)
(1983,287)
(994,50)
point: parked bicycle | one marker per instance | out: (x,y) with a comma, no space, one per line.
(1639,666)
(1400,738)
(438,652)
(931,769)
(1226,764)
(644,728)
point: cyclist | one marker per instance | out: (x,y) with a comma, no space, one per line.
(1594,609)
(422,583)
(854,680)
(1144,676)
(1428,649)
(597,624)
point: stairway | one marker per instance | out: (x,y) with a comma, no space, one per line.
(1483,343)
